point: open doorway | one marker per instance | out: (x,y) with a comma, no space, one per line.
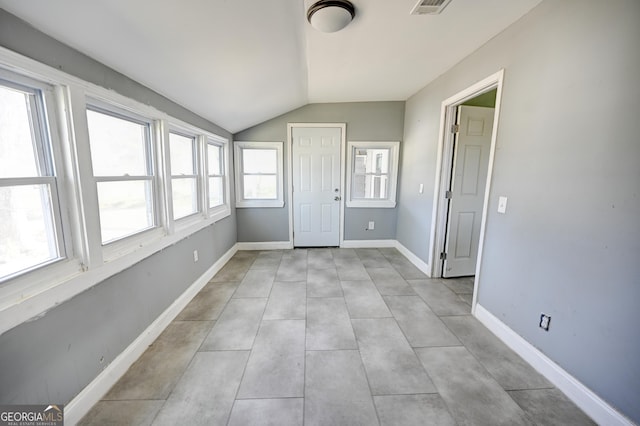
(469,123)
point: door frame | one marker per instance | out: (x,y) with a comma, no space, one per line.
(343,138)
(443,172)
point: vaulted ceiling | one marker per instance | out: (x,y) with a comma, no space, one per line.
(238,63)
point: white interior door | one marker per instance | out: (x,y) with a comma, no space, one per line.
(468,181)
(316,186)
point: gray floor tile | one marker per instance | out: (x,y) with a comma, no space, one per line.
(511,371)
(413,410)
(205,394)
(323,283)
(550,407)
(391,365)
(320,259)
(276,365)
(116,413)
(328,325)
(390,282)
(472,395)
(233,270)
(351,269)
(407,269)
(209,302)
(256,283)
(267,412)
(390,252)
(292,269)
(269,260)
(440,298)
(336,390)
(237,326)
(248,255)
(288,300)
(372,258)
(364,300)
(295,254)
(159,368)
(420,325)
(344,253)
(460,285)
(467,298)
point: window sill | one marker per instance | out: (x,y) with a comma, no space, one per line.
(259,204)
(372,204)
(32,294)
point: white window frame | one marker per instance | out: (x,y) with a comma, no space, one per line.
(241,202)
(197,176)
(87,261)
(44,119)
(223,210)
(117,246)
(394,151)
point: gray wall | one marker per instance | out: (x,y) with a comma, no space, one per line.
(568,158)
(366,121)
(52,358)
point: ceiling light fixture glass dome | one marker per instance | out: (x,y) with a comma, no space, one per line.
(330,16)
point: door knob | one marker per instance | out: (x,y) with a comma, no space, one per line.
(337,198)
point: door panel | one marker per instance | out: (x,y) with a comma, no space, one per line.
(468,182)
(316,185)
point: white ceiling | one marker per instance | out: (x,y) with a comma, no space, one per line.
(238,63)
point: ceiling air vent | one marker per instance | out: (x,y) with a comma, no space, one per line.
(429,7)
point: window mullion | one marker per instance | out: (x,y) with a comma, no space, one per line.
(165,161)
(89,240)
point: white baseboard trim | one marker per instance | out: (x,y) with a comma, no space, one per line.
(419,263)
(94,391)
(267,245)
(599,410)
(368,243)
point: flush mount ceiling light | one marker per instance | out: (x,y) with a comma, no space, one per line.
(330,16)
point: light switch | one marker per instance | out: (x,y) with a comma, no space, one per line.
(421,190)
(502,205)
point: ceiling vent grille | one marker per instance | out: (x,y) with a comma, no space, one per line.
(429,7)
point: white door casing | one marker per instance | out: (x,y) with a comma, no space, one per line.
(468,182)
(317,190)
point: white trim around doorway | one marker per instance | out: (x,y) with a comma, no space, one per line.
(343,142)
(439,213)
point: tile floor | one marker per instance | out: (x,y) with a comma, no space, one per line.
(331,337)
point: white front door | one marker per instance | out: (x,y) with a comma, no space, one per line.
(468,181)
(316,186)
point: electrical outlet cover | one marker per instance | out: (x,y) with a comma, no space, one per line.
(545,321)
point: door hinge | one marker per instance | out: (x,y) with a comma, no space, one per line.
(455,128)
(447,195)
(443,256)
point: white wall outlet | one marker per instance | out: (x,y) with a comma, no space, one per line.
(502,205)
(545,321)
(421,188)
(195,256)
(372,225)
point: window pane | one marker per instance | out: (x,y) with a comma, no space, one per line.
(371,161)
(118,146)
(182,158)
(214,154)
(185,197)
(262,187)
(370,187)
(17,149)
(216,194)
(125,208)
(27,228)
(259,160)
